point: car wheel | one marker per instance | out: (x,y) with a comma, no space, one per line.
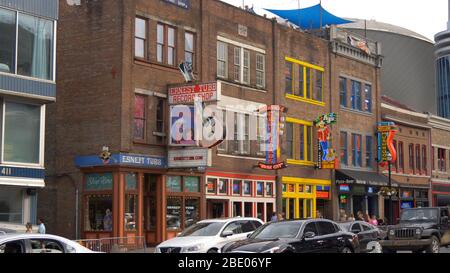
(346,250)
(435,245)
(213,251)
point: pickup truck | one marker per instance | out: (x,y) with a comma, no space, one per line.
(419,229)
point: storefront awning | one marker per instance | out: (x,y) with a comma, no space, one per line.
(363,178)
(22,182)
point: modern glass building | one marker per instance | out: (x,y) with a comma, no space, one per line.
(27,85)
(442,52)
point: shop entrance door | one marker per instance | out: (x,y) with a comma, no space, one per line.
(151,219)
(358,204)
(216,209)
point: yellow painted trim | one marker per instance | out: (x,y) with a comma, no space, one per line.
(316,67)
(300,162)
(299,121)
(299,195)
(310,101)
(310,181)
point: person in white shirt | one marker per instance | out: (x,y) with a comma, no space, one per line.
(41,227)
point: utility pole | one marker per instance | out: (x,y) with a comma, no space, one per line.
(391,207)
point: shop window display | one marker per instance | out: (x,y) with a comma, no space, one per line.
(173,213)
(99,213)
(192,211)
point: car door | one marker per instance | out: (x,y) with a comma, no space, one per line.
(367,235)
(357,229)
(308,245)
(329,237)
(38,245)
(13,247)
(236,228)
(247,227)
(445,228)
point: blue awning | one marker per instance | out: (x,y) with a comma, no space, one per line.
(313,17)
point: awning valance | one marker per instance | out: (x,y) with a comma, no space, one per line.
(363,178)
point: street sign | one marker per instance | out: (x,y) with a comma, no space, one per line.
(188,158)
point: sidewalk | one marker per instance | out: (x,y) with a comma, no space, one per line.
(147,250)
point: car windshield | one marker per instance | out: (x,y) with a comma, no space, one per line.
(277,230)
(203,229)
(420,215)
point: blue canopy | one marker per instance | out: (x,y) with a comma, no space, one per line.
(313,17)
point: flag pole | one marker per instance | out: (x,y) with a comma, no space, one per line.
(299,20)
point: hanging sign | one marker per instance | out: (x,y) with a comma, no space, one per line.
(386,149)
(327,156)
(275,127)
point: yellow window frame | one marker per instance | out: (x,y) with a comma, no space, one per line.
(307,125)
(310,67)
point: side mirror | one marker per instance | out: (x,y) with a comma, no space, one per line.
(227,233)
(309,235)
(444,220)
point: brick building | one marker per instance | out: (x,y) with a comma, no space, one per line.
(114,168)
(356,91)
(440,176)
(412,170)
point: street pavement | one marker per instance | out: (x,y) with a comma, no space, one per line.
(152,250)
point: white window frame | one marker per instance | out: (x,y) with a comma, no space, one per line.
(224,60)
(16,53)
(242,65)
(261,68)
(41,134)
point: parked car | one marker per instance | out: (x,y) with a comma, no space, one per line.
(297,236)
(39,243)
(419,229)
(208,236)
(368,235)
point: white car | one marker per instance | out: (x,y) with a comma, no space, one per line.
(209,236)
(39,243)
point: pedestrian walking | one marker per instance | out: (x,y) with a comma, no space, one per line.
(41,226)
(274,217)
(374,220)
(29,228)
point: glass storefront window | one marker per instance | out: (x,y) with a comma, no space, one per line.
(308,206)
(35,47)
(211,185)
(173,183)
(300,188)
(269,189)
(8,38)
(308,189)
(223,186)
(192,211)
(291,188)
(283,187)
(22,133)
(131,181)
(237,209)
(192,184)
(247,187)
(259,188)
(236,186)
(130,211)
(173,213)
(99,213)
(11,205)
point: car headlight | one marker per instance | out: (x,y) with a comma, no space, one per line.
(193,248)
(392,232)
(272,250)
(418,231)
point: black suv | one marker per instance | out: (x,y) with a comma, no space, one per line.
(419,229)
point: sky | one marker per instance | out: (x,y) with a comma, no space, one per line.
(424,17)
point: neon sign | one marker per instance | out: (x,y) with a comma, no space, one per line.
(386,150)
